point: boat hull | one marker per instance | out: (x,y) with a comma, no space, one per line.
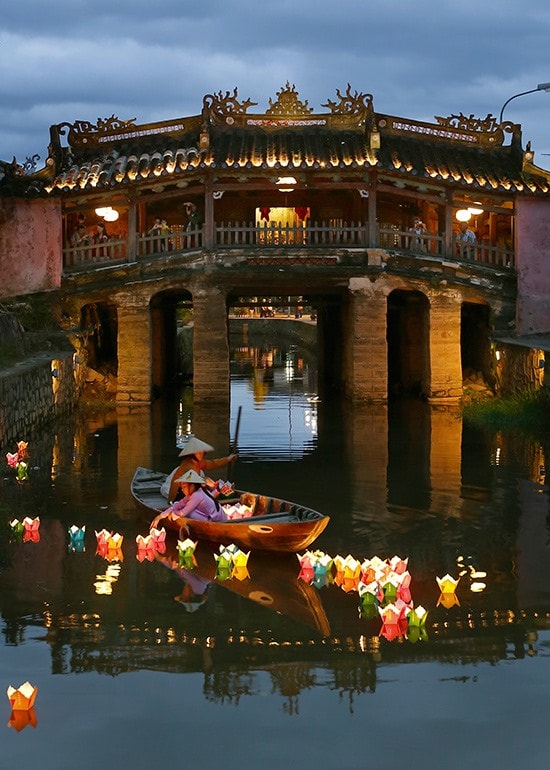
(276,525)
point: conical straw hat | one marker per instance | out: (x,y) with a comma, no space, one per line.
(195,445)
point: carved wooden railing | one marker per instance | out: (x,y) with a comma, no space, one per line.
(269,235)
(114,250)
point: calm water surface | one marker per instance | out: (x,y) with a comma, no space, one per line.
(139,664)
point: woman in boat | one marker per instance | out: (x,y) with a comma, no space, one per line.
(196,503)
(193,458)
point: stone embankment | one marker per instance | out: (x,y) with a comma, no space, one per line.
(34,392)
(35,387)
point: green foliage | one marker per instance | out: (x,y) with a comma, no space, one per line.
(35,312)
(527,413)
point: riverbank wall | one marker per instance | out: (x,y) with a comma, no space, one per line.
(34,392)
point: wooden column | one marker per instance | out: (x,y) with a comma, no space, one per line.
(134,349)
(210,346)
(373,223)
(132,234)
(445,353)
(208,214)
(366,349)
(449,225)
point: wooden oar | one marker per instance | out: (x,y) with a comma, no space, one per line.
(233,446)
(237,426)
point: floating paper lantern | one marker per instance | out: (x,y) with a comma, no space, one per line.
(186,553)
(403,590)
(394,621)
(307,571)
(416,620)
(158,537)
(23,697)
(224,559)
(103,536)
(22,471)
(145,543)
(17,529)
(187,546)
(77,534)
(31,532)
(12,459)
(398,565)
(31,524)
(447,584)
(240,558)
(115,541)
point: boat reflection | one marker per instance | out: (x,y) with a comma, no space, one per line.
(272,582)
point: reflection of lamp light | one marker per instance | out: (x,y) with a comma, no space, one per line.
(475,211)
(463,215)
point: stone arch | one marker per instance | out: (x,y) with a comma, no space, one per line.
(408,342)
(98,335)
(475,343)
(167,315)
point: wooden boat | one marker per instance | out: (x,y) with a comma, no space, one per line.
(275,524)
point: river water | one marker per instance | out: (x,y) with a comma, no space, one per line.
(140,664)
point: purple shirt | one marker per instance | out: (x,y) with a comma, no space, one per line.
(198,505)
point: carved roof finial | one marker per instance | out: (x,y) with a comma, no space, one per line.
(288,103)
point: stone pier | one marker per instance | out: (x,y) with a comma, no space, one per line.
(210,347)
(365,345)
(445,352)
(135,362)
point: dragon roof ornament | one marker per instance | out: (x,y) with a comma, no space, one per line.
(288,110)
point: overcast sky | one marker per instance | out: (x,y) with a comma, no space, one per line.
(70,60)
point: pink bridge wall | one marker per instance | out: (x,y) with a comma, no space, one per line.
(533,263)
(31,256)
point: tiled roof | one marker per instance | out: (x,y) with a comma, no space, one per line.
(306,149)
(348,140)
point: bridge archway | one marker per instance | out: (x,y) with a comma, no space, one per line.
(98,336)
(169,311)
(407,333)
(475,342)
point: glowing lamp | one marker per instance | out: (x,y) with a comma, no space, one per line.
(100,212)
(288,182)
(463,215)
(111,215)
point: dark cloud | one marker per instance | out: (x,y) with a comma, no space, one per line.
(84,59)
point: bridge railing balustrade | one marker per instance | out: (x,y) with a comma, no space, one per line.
(304,235)
(178,239)
(112,250)
(390,237)
(484,253)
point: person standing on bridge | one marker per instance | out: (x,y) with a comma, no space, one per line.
(193,224)
(465,240)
